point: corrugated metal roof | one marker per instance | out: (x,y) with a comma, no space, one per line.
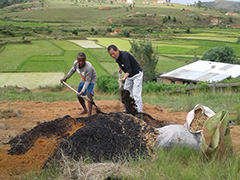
(205,71)
(226,67)
(206,77)
(190,74)
(218,77)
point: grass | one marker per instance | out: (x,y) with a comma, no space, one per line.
(223,39)
(25,24)
(178,163)
(226,100)
(31,80)
(122,43)
(111,67)
(184,163)
(101,54)
(43,65)
(67,45)
(185,102)
(167,64)
(8,59)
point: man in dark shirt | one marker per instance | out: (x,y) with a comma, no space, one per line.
(133,74)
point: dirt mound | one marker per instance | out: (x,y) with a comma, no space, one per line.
(58,129)
(31,113)
(110,136)
(30,150)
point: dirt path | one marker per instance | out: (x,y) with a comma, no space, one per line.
(20,116)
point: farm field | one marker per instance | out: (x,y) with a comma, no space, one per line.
(58,55)
(32,80)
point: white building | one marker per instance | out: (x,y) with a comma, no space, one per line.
(201,71)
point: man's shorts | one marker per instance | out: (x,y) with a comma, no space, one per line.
(88,90)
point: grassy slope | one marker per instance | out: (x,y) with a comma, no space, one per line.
(58,55)
(87,15)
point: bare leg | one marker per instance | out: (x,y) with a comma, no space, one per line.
(90,104)
(82,102)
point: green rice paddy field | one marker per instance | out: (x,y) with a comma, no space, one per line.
(57,56)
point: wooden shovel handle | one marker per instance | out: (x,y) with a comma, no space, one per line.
(120,82)
(84,97)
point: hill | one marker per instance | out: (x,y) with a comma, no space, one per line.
(223,4)
(68,19)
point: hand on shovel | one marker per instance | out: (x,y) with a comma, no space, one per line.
(80,94)
(84,97)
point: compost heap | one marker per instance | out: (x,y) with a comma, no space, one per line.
(110,136)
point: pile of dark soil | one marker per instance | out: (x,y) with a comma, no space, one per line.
(58,128)
(102,136)
(113,136)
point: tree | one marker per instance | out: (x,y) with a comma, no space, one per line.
(165,19)
(199,4)
(126,33)
(174,19)
(42,4)
(224,54)
(188,30)
(147,58)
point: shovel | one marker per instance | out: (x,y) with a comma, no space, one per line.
(84,97)
(119,82)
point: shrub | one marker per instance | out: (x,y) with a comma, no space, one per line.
(109,30)
(107,83)
(49,30)
(165,19)
(203,86)
(75,32)
(126,33)
(174,19)
(224,54)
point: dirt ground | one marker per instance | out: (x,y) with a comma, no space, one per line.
(22,116)
(17,117)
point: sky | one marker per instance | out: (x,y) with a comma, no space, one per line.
(192,1)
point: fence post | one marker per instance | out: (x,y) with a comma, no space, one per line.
(213,87)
